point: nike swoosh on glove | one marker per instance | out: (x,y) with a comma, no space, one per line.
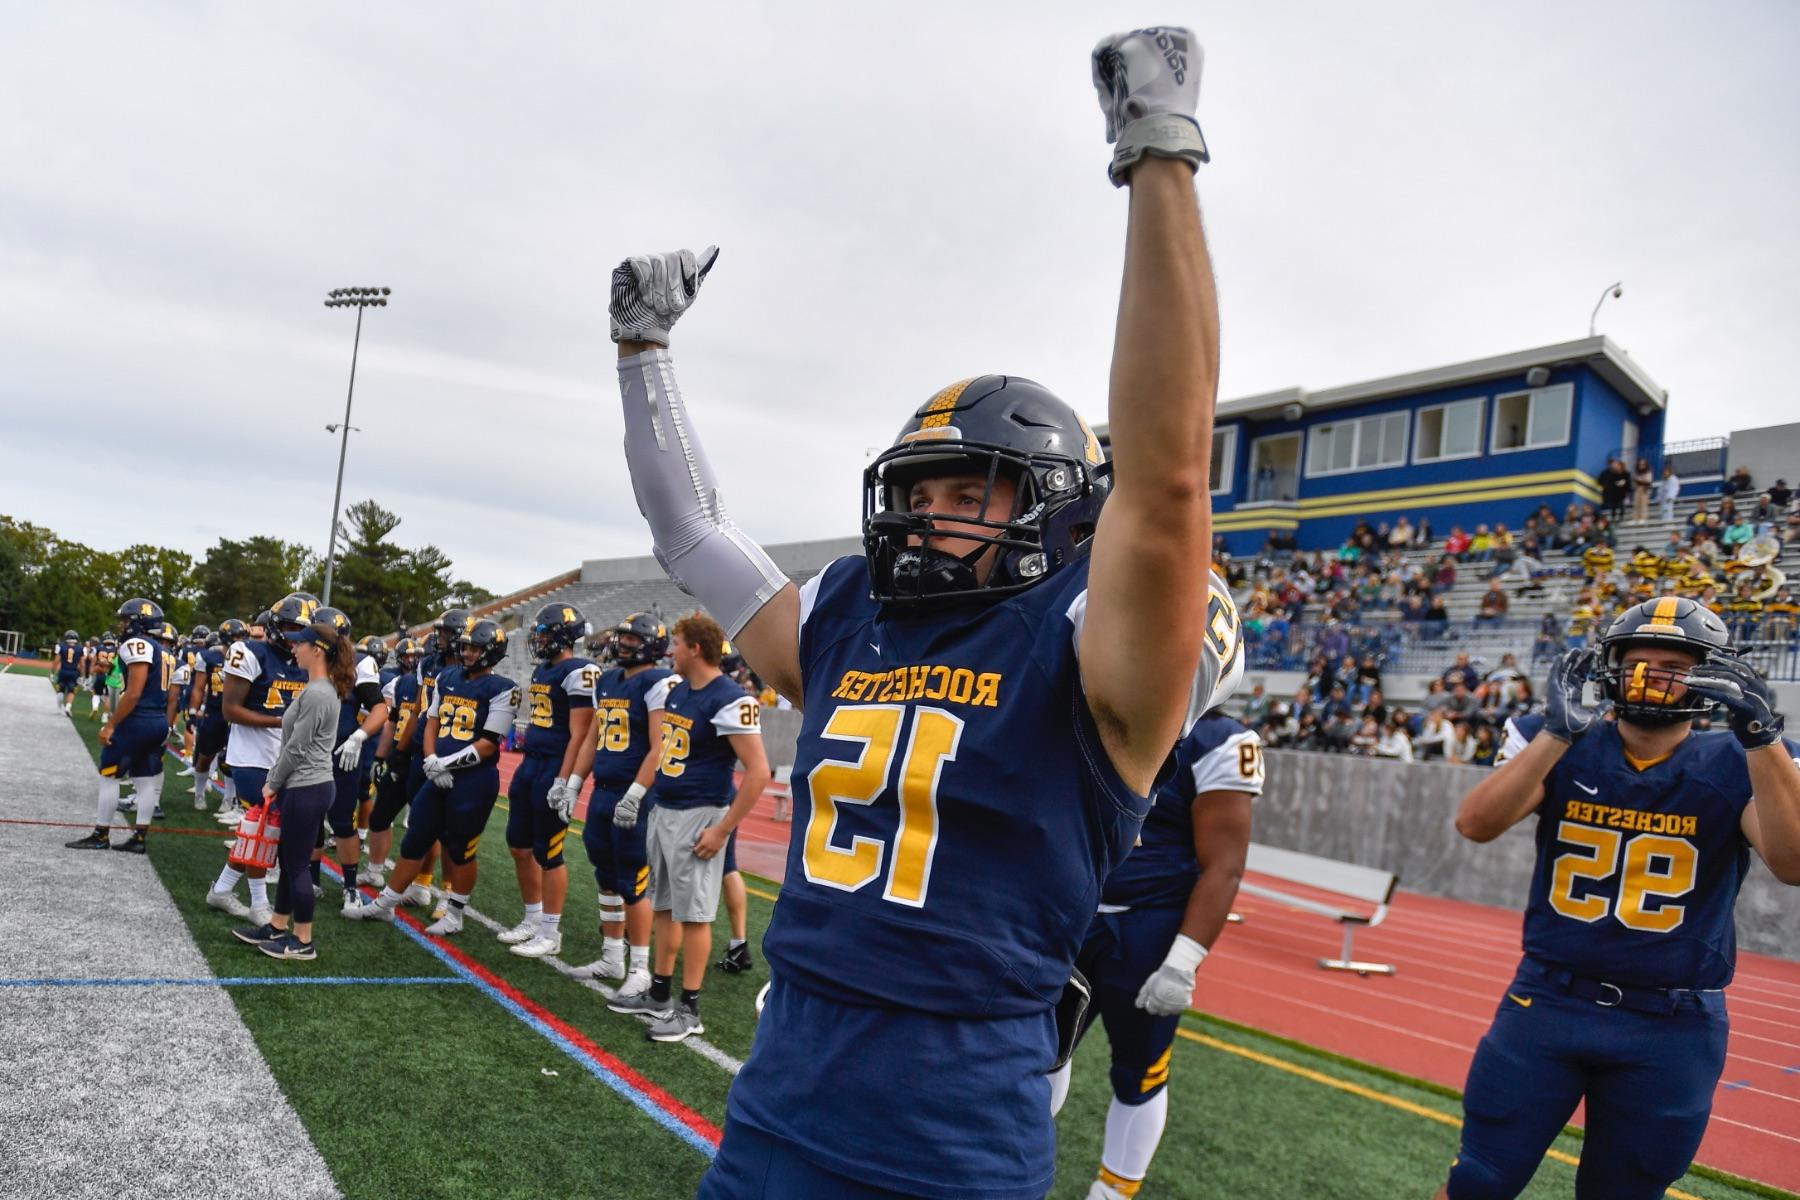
(1567,715)
(650,292)
(1735,684)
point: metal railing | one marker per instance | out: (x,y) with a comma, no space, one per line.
(1700,462)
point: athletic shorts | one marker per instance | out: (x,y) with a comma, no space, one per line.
(214,732)
(621,857)
(531,824)
(347,790)
(681,883)
(66,681)
(136,749)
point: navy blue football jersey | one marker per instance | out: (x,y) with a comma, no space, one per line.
(160,671)
(556,689)
(403,711)
(468,707)
(624,705)
(697,760)
(69,656)
(212,686)
(1639,865)
(1217,755)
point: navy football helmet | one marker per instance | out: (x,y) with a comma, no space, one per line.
(487,640)
(232,631)
(730,661)
(652,640)
(165,633)
(557,627)
(1643,694)
(200,633)
(375,648)
(69,635)
(290,613)
(407,654)
(452,625)
(334,617)
(138,616)
(991,427)
(213,641)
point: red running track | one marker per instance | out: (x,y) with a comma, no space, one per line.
(1453,961)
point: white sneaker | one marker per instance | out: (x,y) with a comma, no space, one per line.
(187,771)
(227,903)
(449,923)
(521,933)
(228,816)
(418,895)
(200,803)
(440,908)
(541,945)
(602,968)
(358,907)
(261,914)
(371,876)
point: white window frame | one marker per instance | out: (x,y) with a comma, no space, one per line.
(1227,459)
(1532,395)
(1358,424)
(1479,402)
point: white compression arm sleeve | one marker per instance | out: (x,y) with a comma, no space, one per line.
(704,552)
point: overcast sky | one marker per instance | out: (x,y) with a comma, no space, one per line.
(905,194)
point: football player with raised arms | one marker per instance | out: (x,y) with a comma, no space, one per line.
(622,757)
(1159,915)
(985,716)
(261,677)
(131,741)
(473,709)
(559,717)
(1644,831)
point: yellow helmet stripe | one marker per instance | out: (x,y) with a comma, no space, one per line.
(938,410)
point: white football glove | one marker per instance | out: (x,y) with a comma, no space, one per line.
(349,755)
(560,801)
(650,292)
(625,816)
(1149,85)
(436,772)
(1171,988)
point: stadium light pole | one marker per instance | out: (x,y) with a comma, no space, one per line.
(358,298)
(1615,290)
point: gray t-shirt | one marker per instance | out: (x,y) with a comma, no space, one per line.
(308,735)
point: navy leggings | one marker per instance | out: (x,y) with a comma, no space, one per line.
(302,818)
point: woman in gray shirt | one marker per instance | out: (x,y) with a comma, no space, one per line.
(301,786)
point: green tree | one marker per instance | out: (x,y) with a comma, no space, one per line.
(238,579)
(55,584)
(383,586)
(160,574)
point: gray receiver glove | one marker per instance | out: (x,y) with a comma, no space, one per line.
(1149,85)
(651,291)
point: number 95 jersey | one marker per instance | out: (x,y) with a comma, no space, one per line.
(954,811)
(1639,864)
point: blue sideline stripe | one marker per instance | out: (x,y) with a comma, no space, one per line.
(235,981)
(642,1102)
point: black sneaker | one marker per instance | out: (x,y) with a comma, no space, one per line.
(256,935)
(133,844)
(97,840)
(158,814)
(288,946)
(737,960)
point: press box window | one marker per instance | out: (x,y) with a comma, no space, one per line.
(1448,431)
(1360,445)
(1532,420)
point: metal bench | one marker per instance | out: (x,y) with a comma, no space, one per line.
(1367,884)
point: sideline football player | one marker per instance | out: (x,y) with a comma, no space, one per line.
(984,715)
(69,658)
(559,720)
(1644,832)
(1160,913)
(623,755)
(131,741)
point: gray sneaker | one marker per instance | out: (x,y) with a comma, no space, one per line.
(635,999)
(679,1025)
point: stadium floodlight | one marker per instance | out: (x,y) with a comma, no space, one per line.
(1615,290)
(358,298)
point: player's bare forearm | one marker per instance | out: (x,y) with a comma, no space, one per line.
(237,690)
(1152,550)
(1775,783)
(430,743)
(385,746)
(627,347)
(646,772)
(581,740)
(1510,792)
(770,643)
(376,721)
(755,761)
(1222,844)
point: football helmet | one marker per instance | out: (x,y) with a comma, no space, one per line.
(309,598)
(556,628)
(334,617)
(290,613)
(213,641)
(407,654)
(487,639)
(262,619)
(139,616)
(200,633)
(1642,694)
(165,633)
(452,625)
(652,640)
(375,648)
(69,635)
(232,631)
(109,643)
(730,661)
(992,427)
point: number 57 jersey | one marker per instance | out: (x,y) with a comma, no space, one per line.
(1639,864)
(954,812)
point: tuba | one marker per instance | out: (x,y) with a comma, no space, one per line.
(1759,554)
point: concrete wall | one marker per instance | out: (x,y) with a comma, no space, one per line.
(1771,453)
(1400,818)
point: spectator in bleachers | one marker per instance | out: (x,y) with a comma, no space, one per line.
(1614,485)
(1422,535)
(1457,544)
(1375,706)
(1336,732)
(1367,737)
(1412,609)
(1505,548)
(1461,672)
(1460,705)
(1256,708)
(1642,481)
(1549,642)
(1444,577)
(1738,483)
(1395,742)
(1308,733)
(1461,746)
(1481,545)
(1493,604)
(1668,490)
(1737,533)
(1401,535)
(1435,613)
(1435,732)
(1487,746)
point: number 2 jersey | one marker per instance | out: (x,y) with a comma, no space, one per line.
(625,705)
(1217,755)
(1639,865)
(954,817)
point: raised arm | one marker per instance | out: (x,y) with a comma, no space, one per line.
(1147,591)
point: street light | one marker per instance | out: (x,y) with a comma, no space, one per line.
(1615,290)
(358,298)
